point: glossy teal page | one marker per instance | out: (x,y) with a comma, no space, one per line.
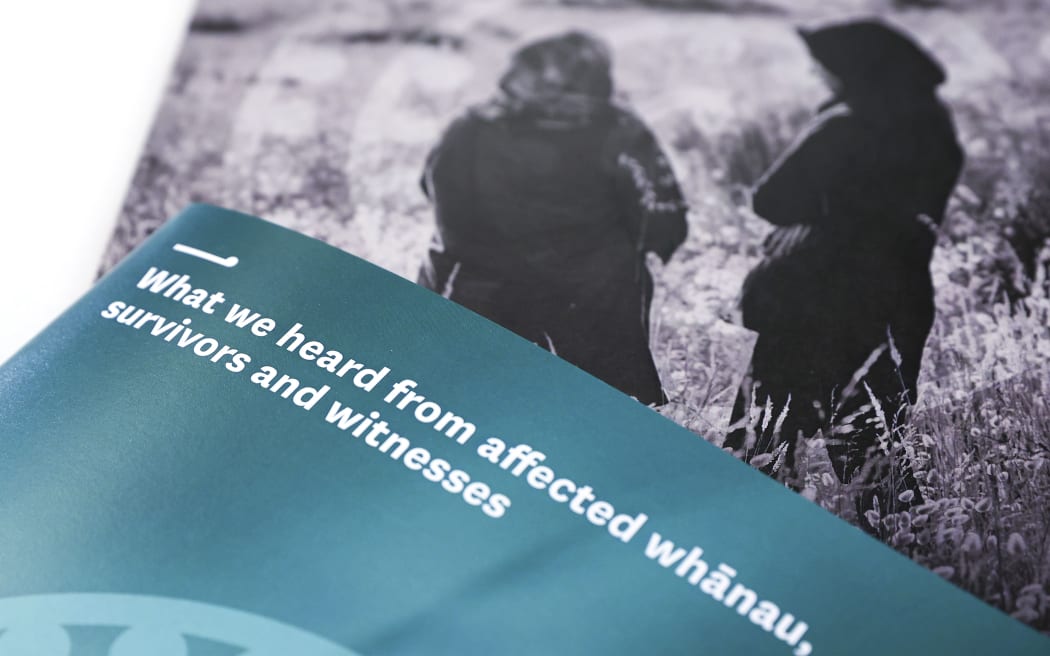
(243,440)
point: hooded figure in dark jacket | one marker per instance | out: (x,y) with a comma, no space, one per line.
(547,200)
(843,299)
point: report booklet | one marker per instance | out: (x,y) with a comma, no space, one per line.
(814,234)
(245,441)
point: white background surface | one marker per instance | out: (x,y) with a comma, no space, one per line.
(79,86)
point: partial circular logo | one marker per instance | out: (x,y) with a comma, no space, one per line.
(133,625)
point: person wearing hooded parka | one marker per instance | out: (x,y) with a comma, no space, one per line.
(843,299)
(547,200)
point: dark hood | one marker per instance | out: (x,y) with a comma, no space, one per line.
(871,57)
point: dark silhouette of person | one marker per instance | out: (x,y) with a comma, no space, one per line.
(843,299)
(547,199)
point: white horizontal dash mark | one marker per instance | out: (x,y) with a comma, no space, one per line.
(227,262)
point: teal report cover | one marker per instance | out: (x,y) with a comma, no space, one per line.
(245,441)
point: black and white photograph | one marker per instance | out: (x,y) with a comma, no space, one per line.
(816,234)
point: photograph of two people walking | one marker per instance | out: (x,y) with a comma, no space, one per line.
(816,234)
